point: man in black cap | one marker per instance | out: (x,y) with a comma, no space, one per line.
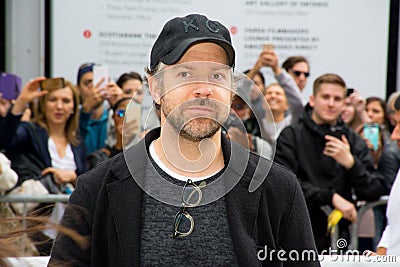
(185,195)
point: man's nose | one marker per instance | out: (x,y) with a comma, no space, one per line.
(203,90)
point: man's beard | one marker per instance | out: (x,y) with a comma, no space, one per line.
(194,128)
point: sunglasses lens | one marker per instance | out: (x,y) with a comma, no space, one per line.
(121,113)
(298,73)
(238,106)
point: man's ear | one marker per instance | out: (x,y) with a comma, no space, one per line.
(311,100)
(155,88)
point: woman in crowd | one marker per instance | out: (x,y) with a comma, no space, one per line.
(354,113)
(131,84)
(52,137)
(376,111)
(284,111)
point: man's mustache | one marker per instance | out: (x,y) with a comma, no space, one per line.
(203,102)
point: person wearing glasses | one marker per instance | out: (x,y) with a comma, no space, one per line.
(118,115)
(184,195)
(130,84)
(330,160)
(299,68)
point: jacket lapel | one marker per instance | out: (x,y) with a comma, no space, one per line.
(242,207)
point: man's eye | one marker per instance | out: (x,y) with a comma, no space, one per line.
(217,76)
(184,74)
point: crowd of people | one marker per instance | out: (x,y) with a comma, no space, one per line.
(76,133)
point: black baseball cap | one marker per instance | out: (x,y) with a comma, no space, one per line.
(180,33)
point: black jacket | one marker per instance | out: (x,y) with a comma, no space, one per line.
(300,146)
(106,205)
(389,162)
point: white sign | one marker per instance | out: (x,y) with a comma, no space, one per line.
(347,37)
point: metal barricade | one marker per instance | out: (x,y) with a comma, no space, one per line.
(50,198)
(354,226)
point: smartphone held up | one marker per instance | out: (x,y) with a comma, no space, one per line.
(10,86)
(101,75)
(371,132)
(52,84)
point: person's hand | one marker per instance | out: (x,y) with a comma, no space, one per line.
(268,58)
(61,176)
(113,93)
(27,115)
(94,97)
(381,251)
(339,150)
(240,137)
(345,206)
(28,93)
(130,129)
(357,101)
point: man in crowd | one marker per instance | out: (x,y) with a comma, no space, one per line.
(329,159)
(299,68)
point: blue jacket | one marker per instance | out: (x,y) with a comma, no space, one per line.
(24,137)
(94,132)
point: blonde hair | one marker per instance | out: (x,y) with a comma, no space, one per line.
(72,125)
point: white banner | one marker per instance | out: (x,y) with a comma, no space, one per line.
(347,37)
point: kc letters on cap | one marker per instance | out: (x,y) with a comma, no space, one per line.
(180,33)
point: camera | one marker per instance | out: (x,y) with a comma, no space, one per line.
(336,132)
(233,121)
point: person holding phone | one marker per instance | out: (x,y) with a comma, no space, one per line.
(118,110)
(329,166)
(53,135)
(131,87)
(95,102)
